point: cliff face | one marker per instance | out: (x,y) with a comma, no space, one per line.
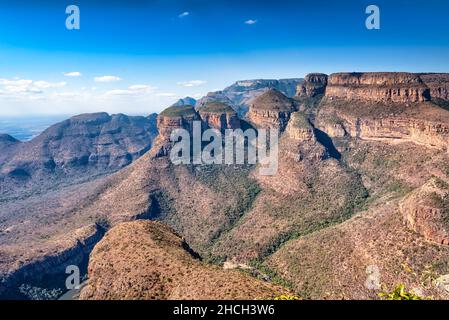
(219,116)
(314,84)
(426,211)
(302,142)
(400,129)
(272,109)
(72,250)
(374,86)
(438,84)
(146,260)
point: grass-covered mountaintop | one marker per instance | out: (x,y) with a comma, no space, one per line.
(179,111)
(217,107)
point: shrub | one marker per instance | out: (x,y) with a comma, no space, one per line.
(285,297)
(399,293)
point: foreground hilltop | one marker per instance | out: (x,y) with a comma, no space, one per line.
(361,184)
(146,260)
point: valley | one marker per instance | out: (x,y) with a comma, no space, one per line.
(362,181)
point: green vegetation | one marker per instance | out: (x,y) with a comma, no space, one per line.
(178,111)
(285,297)
(399,293)
(261,271)
(217,107)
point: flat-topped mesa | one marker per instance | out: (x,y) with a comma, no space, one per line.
(438,83)
(314,84)
(271,109)
(219,116)
(398,87)
(176,117)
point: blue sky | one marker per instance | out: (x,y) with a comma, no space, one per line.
(138,57)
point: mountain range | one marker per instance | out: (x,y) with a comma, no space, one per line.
(362,185)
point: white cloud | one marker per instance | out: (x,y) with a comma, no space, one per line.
(16,82)
(142,87)
(137,89)
(167,94)
(250,21)
(26,86)
(107,79)
(192,83)
(45,84)
(184,14)
(73,74)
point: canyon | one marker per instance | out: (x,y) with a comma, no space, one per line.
(361,181)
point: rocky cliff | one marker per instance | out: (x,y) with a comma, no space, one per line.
(272,109)
(303,143)
(438,84)
(50,268)
(313,85)
(423,123)
(378,86)
(219,116)
(426,211)
(176,117)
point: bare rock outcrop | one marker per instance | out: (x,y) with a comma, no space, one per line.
(176,117)
(438,84)
(219,116)
(397,87)
(426,211)
(272,109)
(172,118)
(314,84)
(147,260)
(72,249)
(302,143)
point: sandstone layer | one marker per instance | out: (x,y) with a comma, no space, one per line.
(272,109)
(314,84)
(219,116)
(378,86)
(426,211)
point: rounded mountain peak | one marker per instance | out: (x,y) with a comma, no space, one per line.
(178,111)
(216,107)
(274,100)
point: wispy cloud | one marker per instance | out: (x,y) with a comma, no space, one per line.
(46,84)
(73,74)
(250,22)
(26,86)
(183,14)
(107,79)
(167,94)
(192,83)
(137,89)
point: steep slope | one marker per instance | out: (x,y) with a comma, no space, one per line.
(146,260)
(395,147)
(271,109)
(351,195)
(75,149)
